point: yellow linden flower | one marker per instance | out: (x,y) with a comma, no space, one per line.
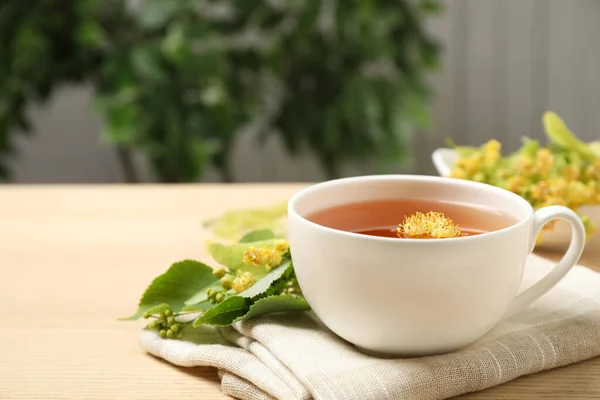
(557,187)
(429,225)
(282,245)
(524,164)
(570,172)
(544,161)
(579,193)
(503,174)
(458,173)
(534,173)
(515,183)
(267,257)
(491,152)
(593,170)
(242,282)
(540,190)
(469,164)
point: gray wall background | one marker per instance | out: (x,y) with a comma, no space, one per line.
(506,62)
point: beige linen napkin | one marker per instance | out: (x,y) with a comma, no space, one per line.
(291,356)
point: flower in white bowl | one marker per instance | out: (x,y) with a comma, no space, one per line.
(565,172)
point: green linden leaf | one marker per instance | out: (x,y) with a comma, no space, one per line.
(275,304)
(224,313)
(530,147)
(232,256)
(595,147)
(201,306)
(159,309)
(257,235)
(558,133)
(182,281)
(263,285)
(203,295)
(234,223)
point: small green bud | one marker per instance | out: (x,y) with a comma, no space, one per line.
(162,317)
(170,321)
(175,328)
(180,335)
(146,315)
(168,312)
(226,281)
(219,297)
(211,293)
(163,333)
(219,272)
(212,300)
(169,333)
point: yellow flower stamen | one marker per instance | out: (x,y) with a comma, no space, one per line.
(242,282)
(257,256)
(428,225)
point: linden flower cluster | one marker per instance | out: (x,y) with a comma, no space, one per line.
(258,262)
(428,225)
(230,284)
(270,258)
(166,324)
(544,176)
(233,283)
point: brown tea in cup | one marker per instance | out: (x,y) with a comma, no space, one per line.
(382,217)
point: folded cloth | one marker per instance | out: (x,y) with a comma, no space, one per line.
(292,356)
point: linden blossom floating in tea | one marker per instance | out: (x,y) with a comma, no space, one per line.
(431,225)
(380,218)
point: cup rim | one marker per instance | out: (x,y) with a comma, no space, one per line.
(408,177)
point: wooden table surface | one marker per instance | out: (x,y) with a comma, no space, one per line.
(74,258)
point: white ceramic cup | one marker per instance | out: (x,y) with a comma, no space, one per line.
(415,297)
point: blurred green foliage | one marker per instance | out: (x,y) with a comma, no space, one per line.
(179,80)
(38,52)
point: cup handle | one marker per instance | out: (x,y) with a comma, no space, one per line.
(541,217)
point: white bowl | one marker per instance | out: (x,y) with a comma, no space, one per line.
(444,160)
